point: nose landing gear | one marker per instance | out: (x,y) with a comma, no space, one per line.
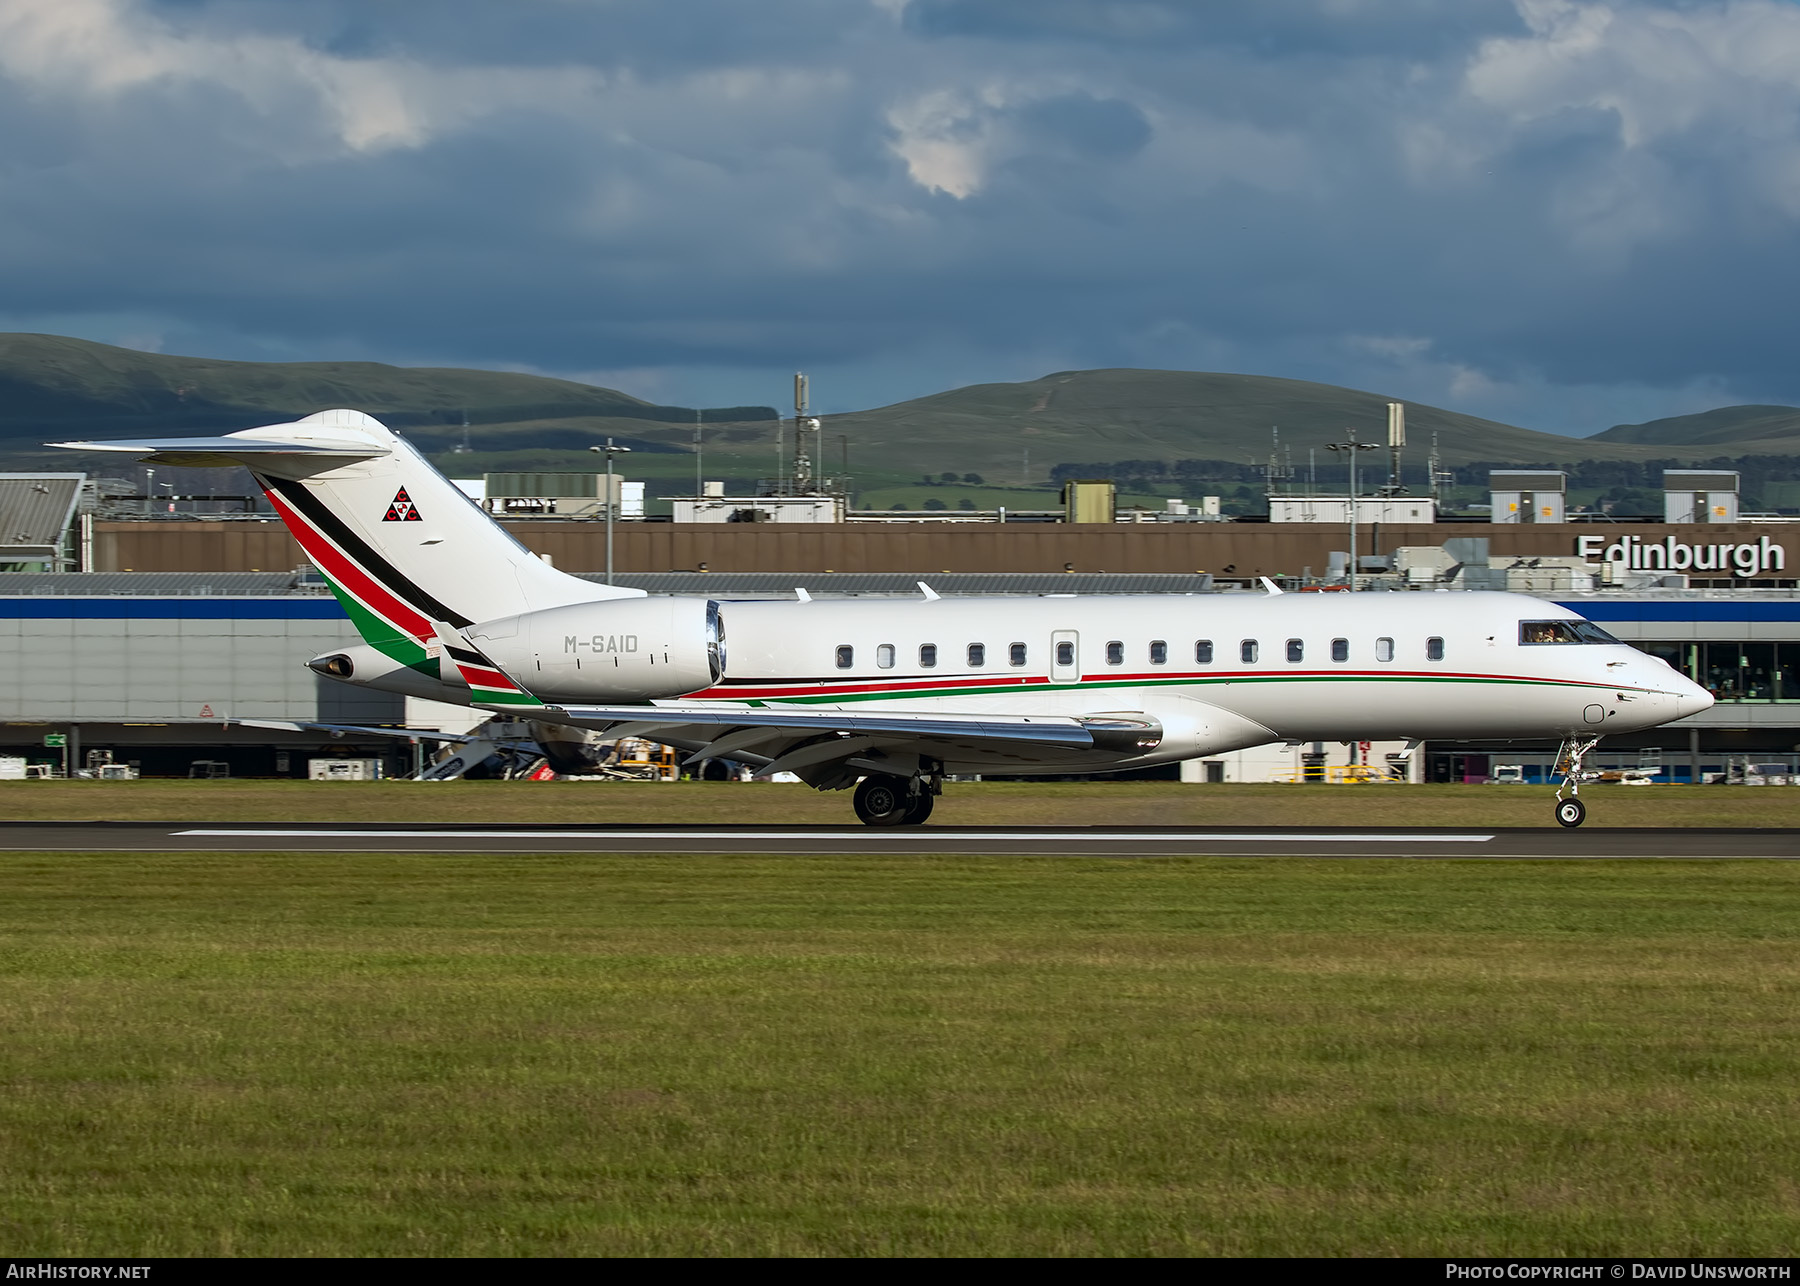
(1571,811)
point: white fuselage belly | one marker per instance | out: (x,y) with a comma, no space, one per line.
(1486,684)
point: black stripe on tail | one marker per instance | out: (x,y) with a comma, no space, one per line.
(315,511)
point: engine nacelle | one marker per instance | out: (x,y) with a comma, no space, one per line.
(622,649)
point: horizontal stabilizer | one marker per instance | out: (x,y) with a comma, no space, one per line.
(232,449)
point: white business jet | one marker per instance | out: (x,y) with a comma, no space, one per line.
(891,696)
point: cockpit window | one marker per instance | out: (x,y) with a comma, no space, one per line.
(1563,632)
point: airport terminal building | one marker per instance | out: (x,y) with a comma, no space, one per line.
(169,632)
(154,669)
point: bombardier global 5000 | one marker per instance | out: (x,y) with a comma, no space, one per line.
(891,696)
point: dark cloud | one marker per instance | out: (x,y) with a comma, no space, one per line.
(1281,27)
(1085,127)
(642,34)
(1528,217)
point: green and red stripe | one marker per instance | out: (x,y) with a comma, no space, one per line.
(825,691)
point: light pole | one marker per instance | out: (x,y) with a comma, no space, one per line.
(1352,446)
(610,450)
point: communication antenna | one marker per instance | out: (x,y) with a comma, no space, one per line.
(809,460)
(1440,477)
(1396,441)
(802,461)
(1280,468)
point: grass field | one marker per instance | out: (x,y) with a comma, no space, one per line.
(1099,803)
(429,1055)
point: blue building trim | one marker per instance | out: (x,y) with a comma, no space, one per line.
(1699,609)
(324,608)
(123,608)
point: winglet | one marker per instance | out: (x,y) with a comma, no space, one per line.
(1270,585)
(931,595)
(489,685)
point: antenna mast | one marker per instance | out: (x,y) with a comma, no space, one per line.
(1280,468)
(803,462)
(1440,476)
(1396,441)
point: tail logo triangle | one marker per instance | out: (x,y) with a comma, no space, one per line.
(403,509)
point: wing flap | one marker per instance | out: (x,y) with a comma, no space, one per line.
(1125,732)
(1045,729)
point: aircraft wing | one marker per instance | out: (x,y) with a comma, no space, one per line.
(1077,733)
(831,748)
(349,729)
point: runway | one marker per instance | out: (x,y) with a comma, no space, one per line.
(1553,843)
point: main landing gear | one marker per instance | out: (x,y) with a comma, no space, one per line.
(1571,811)
(894,801)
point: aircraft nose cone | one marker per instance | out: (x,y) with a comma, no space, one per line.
(1692,699)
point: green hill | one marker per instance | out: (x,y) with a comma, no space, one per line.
(1008,434)
(1110,415)
(1735,430)
(56,387)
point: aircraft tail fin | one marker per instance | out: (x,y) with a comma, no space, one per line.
(401,545)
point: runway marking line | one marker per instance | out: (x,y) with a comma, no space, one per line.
(919,836)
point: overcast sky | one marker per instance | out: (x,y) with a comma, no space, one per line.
(1562,215)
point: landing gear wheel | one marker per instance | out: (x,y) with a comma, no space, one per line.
(885,801)
(1571,812)
(920,808)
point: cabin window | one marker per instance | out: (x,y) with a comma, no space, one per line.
(1016,654)
(884,656)
(977,655)
(1247,651)
(1159,652)
(1384,649)
(1340,649)
(927,655)
(846,656)
(1203,652)
(1065,654)
(1296,650)
(1115,653)
(1434,649)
